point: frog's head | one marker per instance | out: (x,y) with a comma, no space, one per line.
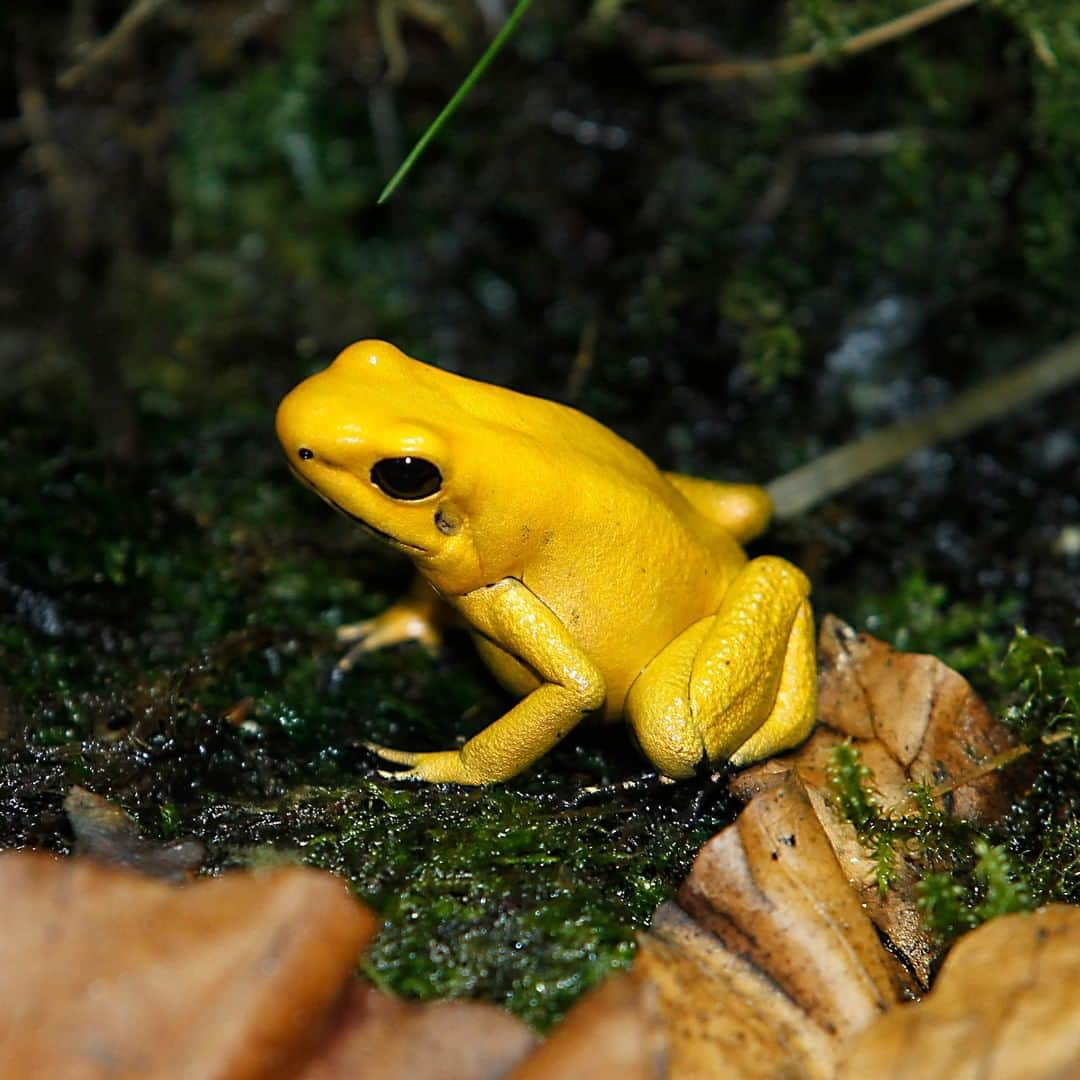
(354,434)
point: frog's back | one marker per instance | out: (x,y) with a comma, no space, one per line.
(613,548)
(562,503)
(559,429)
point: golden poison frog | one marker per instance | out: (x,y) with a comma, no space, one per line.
(591,582)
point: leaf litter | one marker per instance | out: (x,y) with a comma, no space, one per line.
(787,951)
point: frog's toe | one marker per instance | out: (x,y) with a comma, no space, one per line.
(435,767)
(403,622)
(399,757)
(407,775)
(350,633)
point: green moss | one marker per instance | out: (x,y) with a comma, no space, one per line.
(1044,686)
(945,905)
(772,347)
(177,654)
(505,893)
(919,616)
(850,779)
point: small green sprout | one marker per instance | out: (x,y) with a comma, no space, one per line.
(851,782)
(460,94)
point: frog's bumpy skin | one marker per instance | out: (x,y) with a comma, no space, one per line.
(591,581)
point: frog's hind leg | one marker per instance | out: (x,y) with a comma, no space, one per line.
(736,686)
(742,509)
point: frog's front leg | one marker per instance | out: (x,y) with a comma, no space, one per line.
(736,686)
(508,614)
(421,615)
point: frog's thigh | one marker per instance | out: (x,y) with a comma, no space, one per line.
(738,685)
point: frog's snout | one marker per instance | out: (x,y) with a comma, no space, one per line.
(290,426)
(308,425)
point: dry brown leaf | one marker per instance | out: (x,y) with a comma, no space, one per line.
(108,973)
(766,962)
(614,1033)
(380,1037)
(723,1017)
(1003,1008)
(913,720)
(770,889)
(772,958)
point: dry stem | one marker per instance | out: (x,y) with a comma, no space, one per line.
(786,65)
(107,47)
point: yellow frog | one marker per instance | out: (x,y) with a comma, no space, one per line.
(592,582)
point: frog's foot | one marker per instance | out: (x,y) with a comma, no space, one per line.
(736,686)
(421,616)
(435,767)
(399,623)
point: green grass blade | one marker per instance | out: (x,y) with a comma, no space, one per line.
(460,94)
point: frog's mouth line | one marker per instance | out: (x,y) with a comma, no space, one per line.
(366,525)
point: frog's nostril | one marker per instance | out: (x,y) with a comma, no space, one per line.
(305,454)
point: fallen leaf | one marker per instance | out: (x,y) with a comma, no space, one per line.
(614,1033)
(766,962)
(914,721)
(105,973)
(771,890)
(380,1037)
(779,947)
(722,1016)
(1003,1008)
(105,832)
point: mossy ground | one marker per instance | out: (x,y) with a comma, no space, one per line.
(192,230)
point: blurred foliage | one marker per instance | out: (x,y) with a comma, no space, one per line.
(190,227)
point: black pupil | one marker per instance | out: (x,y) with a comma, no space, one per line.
(406,477)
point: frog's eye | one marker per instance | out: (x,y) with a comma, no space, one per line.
(406,477)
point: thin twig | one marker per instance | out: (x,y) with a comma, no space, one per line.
(393,47)
(107,47)
(994,764)
(786,65)
(838,144)
(995,397)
